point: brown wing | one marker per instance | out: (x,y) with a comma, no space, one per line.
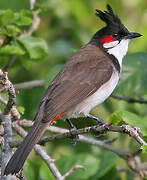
(81,76)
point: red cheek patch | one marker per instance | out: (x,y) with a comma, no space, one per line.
(107,39)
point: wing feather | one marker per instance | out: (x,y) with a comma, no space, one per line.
(81,76)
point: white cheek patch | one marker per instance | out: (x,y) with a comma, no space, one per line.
(110,44)
(120,50)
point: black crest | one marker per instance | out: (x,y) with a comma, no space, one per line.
(113,22)
(108,16)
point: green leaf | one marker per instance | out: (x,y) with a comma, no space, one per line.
(6,17)
(11,50)
(23,18)
(32,165)
(36,47)
(21,109)
(10,30)
(131,119)
(108,161)
(144,148)
(116,118)
(45,173)
(133,80)
(29,168)
(90,163)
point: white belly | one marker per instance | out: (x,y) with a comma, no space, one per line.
(97,98)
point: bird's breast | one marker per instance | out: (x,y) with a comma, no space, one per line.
(95,99)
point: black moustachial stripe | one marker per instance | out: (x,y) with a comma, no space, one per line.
(115,62)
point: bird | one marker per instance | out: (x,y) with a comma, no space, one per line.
(86,80)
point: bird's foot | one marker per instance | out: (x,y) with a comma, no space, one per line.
(100,122)
(74,138)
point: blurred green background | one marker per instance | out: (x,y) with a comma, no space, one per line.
(66,25)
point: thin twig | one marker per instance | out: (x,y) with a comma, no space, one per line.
(40,83)
(36,19)
(72,170)
(32,2)
(11,61)
(130,99)
(120,152)
(35,24)
(29,84)
(4,102)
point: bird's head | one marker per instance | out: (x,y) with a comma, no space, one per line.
(114,32)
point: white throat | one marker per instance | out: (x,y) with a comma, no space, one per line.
(120,50)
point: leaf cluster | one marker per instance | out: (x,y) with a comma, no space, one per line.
(14,39)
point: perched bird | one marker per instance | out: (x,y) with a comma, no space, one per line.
(85,81)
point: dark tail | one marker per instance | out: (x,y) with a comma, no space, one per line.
(17,160)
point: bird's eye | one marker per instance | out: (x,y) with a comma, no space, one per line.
(115,35)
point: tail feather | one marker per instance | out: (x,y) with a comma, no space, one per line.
(17,160)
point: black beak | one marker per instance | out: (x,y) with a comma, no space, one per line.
(132,35)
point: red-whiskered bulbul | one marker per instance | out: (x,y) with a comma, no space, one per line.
(85,81)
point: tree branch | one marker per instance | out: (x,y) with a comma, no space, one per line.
(6,122)
(8,87)
(130,99)
(6,150)
(133,132)
(130,158)
(40,83)
(127,129)
(46,158)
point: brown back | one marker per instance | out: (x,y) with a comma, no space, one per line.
(80,77)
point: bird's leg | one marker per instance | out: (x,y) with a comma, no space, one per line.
(75,138)
(101,122)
